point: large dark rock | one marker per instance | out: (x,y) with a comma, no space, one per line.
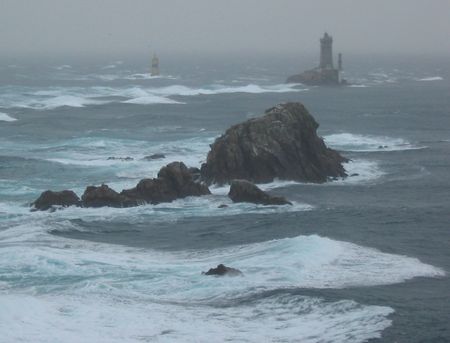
(104,196)
(282,144)
(174,181)
(49,199)
(245,191)
(222,270)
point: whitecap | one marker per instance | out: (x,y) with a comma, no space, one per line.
(6,117)
(113,319)
(151,99)
(63,67)
(102,288)
(431,78)
(59,101)
(367,143)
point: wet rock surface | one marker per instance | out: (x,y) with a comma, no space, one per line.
(48,199)
(245,191)
(281,144)
(222,270)
(174,181)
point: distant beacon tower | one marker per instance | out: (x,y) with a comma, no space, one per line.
(340,62)
(326,52)
(155,66)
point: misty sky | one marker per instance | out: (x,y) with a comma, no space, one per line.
(90,27)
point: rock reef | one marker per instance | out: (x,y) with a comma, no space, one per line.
(174,181)
(281,144)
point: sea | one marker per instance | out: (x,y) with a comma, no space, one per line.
(360,259)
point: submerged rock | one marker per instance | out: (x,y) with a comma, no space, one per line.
(124,159)
(221,270)
(154,157)
(104,196)
(245,191)
(49,199)
(174,181)
(281,144)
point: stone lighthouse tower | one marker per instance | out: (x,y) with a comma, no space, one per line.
(326,52)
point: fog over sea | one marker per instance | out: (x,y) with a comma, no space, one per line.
(361,259)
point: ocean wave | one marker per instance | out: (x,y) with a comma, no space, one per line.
(151,99)
(299,262)
(63,67)
(54,97)
(97,152)
(6,117)
(357,86)
(431,78)
(367,143)
(139,282)
(95,286)
(112,319)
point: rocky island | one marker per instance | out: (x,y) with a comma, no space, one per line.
(281,144)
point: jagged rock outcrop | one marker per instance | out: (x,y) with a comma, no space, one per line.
(245,191)
(282,144)
(222,270)
(174,181)
(48,199)
(104,196)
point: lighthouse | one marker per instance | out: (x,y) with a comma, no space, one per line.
(326,52)
(325,74)
(155,66)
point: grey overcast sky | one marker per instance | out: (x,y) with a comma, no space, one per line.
(84,27)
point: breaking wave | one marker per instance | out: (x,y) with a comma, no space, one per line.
(5,117)
(431,78)
(54,97)
(48,290)
(367,143)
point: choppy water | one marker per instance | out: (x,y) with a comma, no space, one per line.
(353,260)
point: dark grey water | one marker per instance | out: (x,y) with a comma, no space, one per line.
(353,260)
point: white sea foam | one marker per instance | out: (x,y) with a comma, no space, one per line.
(367,143)
(49,103)
(114,320)
(54,97)
(5,117)
(151,99)
(95,151)
(431,78)
(147,76)
(108,293)
(63,67)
